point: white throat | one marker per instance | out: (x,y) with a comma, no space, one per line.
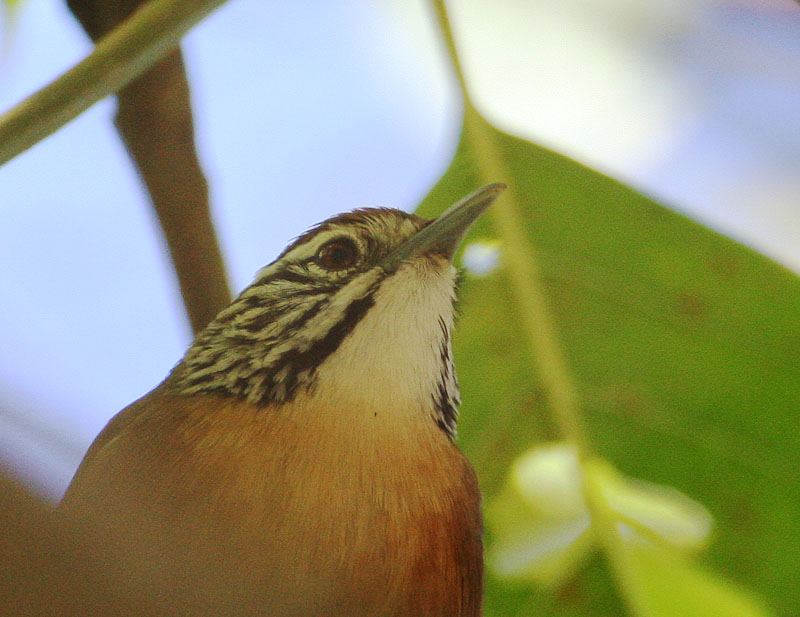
(397,361)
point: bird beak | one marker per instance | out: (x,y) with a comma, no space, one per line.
(443,234)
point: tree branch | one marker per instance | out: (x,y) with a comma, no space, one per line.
(154,119)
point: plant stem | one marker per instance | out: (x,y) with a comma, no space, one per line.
(151,32)
(520,259)
(447,34)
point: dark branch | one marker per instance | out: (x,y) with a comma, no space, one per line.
(154,118)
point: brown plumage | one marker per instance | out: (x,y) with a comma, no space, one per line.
(299,489)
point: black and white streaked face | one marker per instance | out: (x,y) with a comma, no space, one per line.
(327,318)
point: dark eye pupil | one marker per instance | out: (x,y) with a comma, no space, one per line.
(338,255)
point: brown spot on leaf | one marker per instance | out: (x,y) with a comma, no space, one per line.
(745,515)
(692,305)
(572,593)
(625,398)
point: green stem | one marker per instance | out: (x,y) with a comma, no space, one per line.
(537,321)
(151,32)
(521,260)
(447,34)
(606,524)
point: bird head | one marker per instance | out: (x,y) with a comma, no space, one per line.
(357,311)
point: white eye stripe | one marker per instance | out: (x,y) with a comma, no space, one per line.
(373,224)
(310,249)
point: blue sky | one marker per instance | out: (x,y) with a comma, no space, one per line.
(309,108)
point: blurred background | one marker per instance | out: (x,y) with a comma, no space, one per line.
(309,108)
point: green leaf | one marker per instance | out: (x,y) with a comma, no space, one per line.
(684,347)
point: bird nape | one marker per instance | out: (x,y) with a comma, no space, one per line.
(299,460)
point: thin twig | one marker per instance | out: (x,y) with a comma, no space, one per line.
(154,30)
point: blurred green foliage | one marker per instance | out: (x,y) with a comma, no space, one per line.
(684,347)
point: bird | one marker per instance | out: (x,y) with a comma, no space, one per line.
(300,459)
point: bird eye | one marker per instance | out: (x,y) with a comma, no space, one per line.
(338,254)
